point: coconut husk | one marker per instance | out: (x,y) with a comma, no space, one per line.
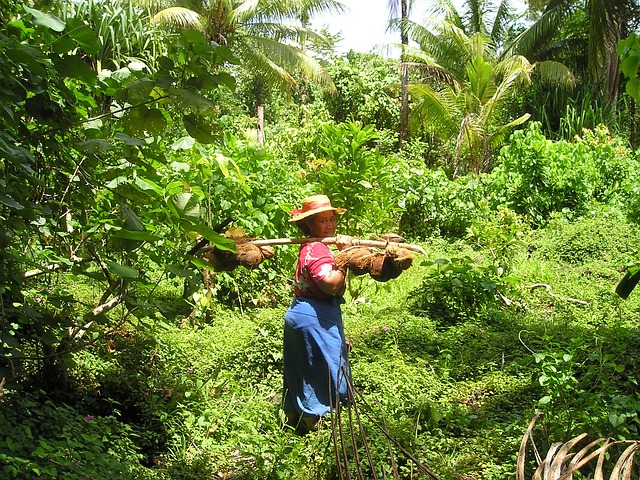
(381,265)
(246,255)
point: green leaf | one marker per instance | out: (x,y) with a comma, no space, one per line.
(226,55)
(544,400)
(633,88)
(92,146)
(200,263)
(10,202)
(46,19)
(138,91)
(131,220)
(184,143)
(216,239)
(193,100)
(86,38)
(223,78)
(199,128)
(628,283)
(121,270)
(187,204)
(75,67)
(135,235)
(142,119)
(127,140)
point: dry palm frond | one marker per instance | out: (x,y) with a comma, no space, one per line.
(561,463)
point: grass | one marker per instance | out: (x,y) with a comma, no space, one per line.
(201,397)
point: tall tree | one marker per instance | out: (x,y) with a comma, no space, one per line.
(467,83)
(256,32)
(403,7)
(607,22)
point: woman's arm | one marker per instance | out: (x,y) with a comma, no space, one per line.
(334,283)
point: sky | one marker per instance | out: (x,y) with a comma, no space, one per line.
(363,25)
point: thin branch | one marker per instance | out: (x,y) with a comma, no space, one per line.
(54,267)
(548,289)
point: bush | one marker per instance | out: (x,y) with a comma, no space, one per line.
(42,440)
(606,239)
(537,177)
(434,205)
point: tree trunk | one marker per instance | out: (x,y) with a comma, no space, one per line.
(404,78)
(260,123)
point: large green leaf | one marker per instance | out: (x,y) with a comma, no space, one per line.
(217,239)
(75,67)
(629,281)
(86,38)
(141,120)
(186,204)
(46,19)
(200,263)
(199,128)
(121,270)
(138,91)
(633,88)
(135,235)
(10,202)
(194,101)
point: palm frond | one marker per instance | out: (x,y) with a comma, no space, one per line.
(561,463)
(282,31)
(555,73)
(530,41)
(179,17)
(436,106)
(499,137)
(449,12)
(275,60)
(503,18)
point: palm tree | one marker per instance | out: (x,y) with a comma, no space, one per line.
(256,33)
(607,22)
(467,84)
(403,7)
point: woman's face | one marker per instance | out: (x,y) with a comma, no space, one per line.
(322,224)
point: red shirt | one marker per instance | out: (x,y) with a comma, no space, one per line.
(315,261)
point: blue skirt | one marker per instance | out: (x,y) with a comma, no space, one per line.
(315,357)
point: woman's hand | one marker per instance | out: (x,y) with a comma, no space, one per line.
(343,241)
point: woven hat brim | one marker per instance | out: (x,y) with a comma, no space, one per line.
(303,215)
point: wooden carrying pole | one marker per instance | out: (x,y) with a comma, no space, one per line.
(332,240)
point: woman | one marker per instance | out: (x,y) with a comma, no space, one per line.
(315,351)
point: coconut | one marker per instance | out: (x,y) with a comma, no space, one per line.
(382,266)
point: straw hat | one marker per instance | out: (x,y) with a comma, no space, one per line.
(311,206)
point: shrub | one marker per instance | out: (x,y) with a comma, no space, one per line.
(537,177)
(607,239)
(435,205)
(42,440)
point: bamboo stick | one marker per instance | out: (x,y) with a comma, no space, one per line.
(332,240)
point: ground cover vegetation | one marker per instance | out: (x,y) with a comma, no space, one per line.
(124,144)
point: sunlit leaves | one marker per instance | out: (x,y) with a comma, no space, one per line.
(629,52)
(144,120)
(186,204)
(46,19)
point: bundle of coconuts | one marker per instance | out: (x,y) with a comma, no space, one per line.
(381,265)
(247,255)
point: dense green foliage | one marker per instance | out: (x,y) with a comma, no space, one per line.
(123,354)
